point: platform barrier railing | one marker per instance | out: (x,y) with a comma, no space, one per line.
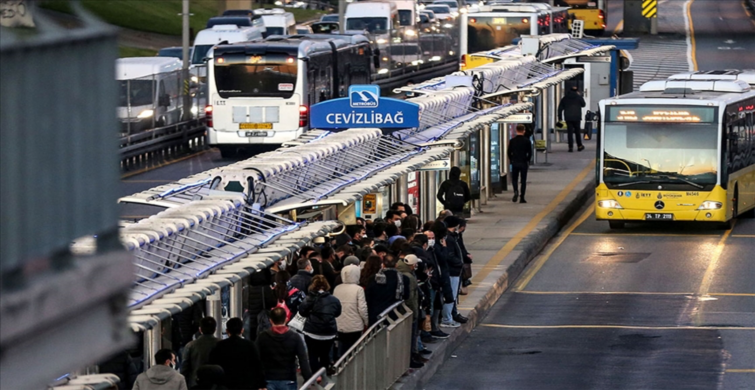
(377,359)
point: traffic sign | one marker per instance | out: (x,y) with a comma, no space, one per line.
(650,8)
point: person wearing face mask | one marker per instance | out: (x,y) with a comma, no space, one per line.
(394,217)
(423,248)
(161,376)
(303,277)
(455,268)
(321,310)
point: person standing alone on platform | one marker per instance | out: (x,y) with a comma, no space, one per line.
(454,192)
(520,153)
(570,110)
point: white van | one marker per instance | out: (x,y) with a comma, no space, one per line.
(380,19)
(149,92)
(229,33)
(277,21)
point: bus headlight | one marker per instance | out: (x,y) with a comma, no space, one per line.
(381,41)
(145,114)
(609,204)
(710,205)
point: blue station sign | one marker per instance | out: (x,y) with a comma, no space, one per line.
(364,108)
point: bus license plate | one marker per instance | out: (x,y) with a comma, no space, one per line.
(256,133)
(659,217)
(255,126)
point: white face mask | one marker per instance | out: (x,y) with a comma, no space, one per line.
(430,242)
(397,223)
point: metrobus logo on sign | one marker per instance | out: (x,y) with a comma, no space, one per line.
(364,108)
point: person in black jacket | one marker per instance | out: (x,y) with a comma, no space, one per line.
(303,276)
(387,287)
(260,296)
(320,331)
(239,358)
(455,261)
(570,109)
(454,192)
(520,153)
(281,347)
(441,252)
(197,352)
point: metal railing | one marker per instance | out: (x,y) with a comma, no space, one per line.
(377,360)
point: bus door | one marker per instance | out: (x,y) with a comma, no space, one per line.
(594,83)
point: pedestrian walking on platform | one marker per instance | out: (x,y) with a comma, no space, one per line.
(454,192)
(239,359)
(197,352)
(570,110)
(281,347)
(161,376)
(520,153)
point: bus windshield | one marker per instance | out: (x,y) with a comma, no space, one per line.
(264,75)
(491,32)
(374,25)
(649,153)
(275,31)
(135,92)
(200,52)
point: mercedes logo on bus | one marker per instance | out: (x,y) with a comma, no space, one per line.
(659,205)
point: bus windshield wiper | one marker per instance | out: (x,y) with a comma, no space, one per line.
(668,178)
(633,182)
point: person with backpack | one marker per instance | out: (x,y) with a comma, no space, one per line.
(287,296)
(321,310)
(454,192)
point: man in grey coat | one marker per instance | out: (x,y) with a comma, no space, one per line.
(197,353)
(161,376)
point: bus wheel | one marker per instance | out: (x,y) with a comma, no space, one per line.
(616,224)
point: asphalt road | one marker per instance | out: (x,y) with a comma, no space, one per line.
(723,34)
(651,307)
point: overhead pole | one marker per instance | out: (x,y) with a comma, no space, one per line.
(341,13)
(185,78)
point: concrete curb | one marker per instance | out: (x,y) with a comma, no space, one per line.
(528,250)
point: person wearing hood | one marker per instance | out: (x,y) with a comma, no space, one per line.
(260,296)
(570,110)
(454,192)
(161,376)
(353,318)
(407,265)
(210,377)
(281,347)
(321,310)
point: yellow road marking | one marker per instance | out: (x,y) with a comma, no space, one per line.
(603,292)
(576,326)
(514,241)
(139,172)
(540,261)
(732,294)
(619,27)
(693,53)
(645,235)
(710,272)
(741,370)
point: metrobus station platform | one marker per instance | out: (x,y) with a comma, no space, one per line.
(505,236)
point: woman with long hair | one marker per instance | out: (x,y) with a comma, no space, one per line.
(371,268)
(321,309)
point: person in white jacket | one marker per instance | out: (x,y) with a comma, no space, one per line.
(353,318)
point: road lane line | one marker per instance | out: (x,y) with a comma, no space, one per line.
(714,258)
(576,326)
(540,261)
(165,164)
(691,51)
(732,294)
(619,27)
(740,370)
(743,235)
(602,293)
(645,235)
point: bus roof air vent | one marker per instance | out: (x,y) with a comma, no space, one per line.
(684,86)
(748,76)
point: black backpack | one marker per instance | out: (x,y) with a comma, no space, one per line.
(455,195)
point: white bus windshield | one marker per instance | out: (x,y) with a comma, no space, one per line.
(646,153)
(200,52)
(264,75)
(373,25)
(492,32)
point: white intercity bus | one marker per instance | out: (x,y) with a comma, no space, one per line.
(260,92)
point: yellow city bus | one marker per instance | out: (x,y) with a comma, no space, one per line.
(681,149)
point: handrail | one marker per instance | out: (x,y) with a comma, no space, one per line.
(313,379)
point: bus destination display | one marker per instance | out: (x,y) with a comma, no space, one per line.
(669,114)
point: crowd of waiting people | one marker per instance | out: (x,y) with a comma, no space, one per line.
(340,287)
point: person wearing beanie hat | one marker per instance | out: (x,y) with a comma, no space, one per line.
(452,221)
(351,260)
